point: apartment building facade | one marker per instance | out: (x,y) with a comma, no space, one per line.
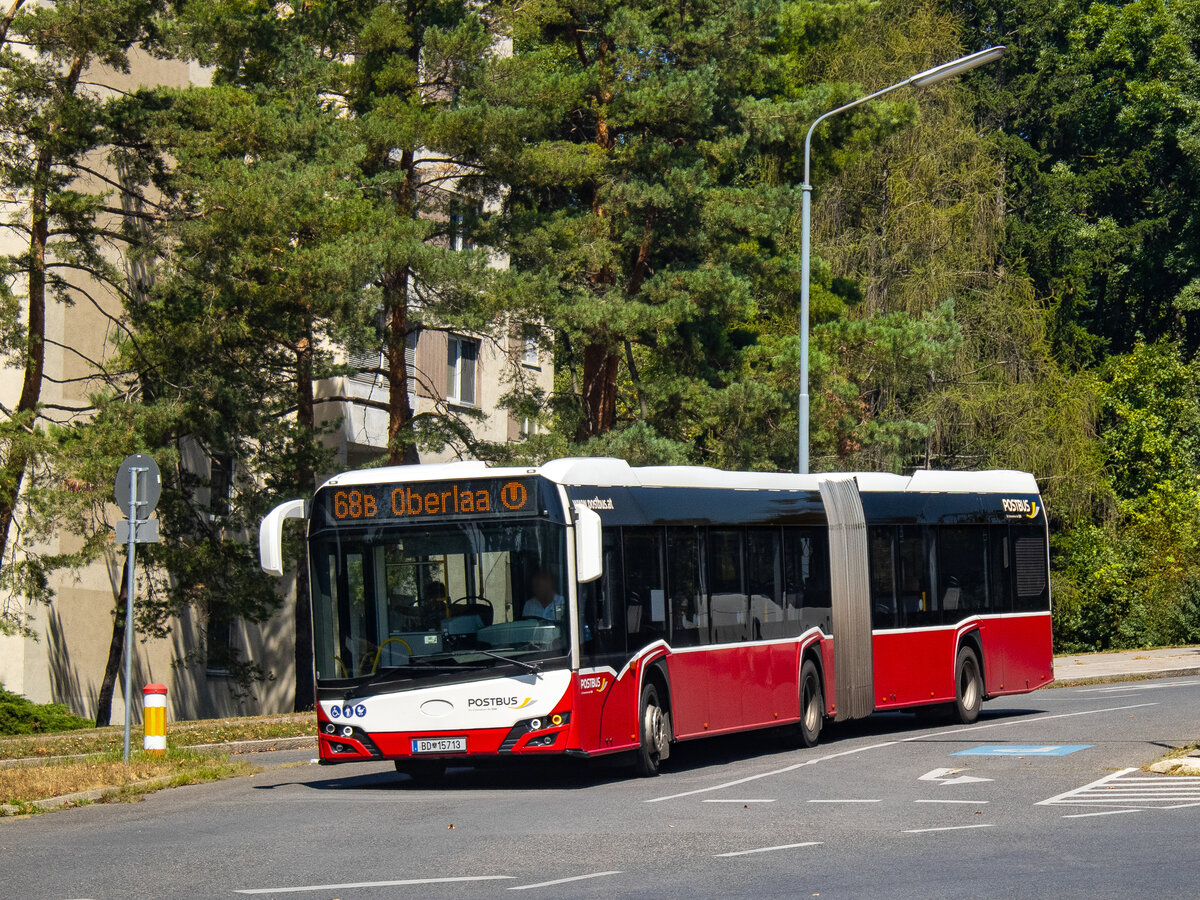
(451,373)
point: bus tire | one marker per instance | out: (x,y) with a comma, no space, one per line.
(812,705)
(968,686)
(653,733)
(807,731)
(423,772)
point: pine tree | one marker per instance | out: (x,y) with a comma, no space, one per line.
(61,130)
(642,218)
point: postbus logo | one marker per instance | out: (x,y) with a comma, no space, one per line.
(1017,506)
(498,702)
(589,684)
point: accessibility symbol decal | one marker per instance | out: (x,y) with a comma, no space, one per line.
(1022,750)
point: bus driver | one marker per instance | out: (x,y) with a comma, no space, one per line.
(545,602)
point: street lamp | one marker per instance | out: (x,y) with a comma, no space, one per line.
(921,79)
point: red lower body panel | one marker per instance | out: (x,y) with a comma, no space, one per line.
(914,667)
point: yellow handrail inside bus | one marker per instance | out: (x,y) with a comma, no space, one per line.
(379,652)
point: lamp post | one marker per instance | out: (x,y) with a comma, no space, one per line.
(921,79)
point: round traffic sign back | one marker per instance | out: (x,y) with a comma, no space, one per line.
(149,484)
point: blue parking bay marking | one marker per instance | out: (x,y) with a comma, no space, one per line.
(1022,750)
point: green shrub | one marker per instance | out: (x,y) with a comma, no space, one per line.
(20,716)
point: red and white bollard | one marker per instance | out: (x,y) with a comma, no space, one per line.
(154,718)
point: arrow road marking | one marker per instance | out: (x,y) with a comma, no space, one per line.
(942,776)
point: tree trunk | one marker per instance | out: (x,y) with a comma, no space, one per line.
(305,694)
(116,647)
(12,473)
(401,449)
(600,367)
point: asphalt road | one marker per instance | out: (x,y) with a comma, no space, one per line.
(872,812)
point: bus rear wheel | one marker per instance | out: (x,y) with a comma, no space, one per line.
(968,681)
(654,736)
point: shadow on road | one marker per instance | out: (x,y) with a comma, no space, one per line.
(558,773)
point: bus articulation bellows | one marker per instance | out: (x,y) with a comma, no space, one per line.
(586,607)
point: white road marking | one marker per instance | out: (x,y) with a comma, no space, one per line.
(1107,812)
(724,800)
(879,746)
(845,801)
(768,849)
(1124,788)
(1096,783)
(973,802)
(792,768)
(1117,688)
(942,776)
(526,887)
(371,884)
(949,828)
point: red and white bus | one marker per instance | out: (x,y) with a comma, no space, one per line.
(586,607)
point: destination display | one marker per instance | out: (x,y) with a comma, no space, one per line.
(429,500)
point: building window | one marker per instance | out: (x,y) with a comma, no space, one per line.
(220,485)
(530,427)
(529,353)
(218,648)
(459,240)
(462,354)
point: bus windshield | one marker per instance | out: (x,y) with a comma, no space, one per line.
(418,601)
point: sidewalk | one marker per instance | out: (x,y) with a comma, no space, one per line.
(1167,662)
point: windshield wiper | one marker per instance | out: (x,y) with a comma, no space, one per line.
(382,674)
(536,668)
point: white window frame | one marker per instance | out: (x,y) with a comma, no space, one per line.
(454,344)
(530,358)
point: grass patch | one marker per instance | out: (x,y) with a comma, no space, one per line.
(179,734)
(21,785)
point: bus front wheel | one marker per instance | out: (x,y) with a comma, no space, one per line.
(654,734)
(968,694)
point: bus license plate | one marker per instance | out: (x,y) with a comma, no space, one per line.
(439,745)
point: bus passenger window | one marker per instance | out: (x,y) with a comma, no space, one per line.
(689,604)
(763,578)
(1029,565)
(727,595)
(999,570)
(880,543)
(807,595)
(645,592)
(918,606)
(960,556)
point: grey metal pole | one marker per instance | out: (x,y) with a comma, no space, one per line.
(130,553)
(805,246)
(921,79)
(805,217)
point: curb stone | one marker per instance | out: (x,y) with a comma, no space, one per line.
(1180,765)
(1126,676)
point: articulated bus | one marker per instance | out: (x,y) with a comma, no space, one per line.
(586,607)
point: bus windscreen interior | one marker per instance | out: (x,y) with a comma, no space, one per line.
(421,600)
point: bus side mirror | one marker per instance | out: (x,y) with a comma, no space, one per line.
(270,535)
(589,545)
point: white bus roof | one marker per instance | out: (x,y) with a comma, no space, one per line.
(607,472)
